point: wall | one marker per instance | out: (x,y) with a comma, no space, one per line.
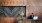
(34,6)
(34,2)
(36,10)
(12,2)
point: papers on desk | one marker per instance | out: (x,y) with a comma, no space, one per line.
(35,17)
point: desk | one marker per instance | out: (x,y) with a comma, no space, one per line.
(33,21)
(22,20)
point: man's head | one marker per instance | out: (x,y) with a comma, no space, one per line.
(32,13)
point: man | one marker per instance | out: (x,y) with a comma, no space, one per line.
(31,16)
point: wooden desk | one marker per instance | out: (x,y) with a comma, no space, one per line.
(33,21)
(22,20)
(8,20)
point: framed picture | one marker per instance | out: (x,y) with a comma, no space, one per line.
(12,11)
